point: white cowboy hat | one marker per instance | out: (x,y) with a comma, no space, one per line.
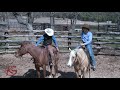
(49,31)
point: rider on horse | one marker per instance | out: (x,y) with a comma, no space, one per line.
(47,40)
(86,37)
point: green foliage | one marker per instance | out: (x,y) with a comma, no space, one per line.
(89,16)
(86,16)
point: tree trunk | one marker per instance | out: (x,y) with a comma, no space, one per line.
(28,23)
(73,24)
(52,21)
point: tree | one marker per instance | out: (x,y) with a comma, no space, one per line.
(52,20)
(28,23)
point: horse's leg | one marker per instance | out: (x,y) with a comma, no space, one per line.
(50,71)
(77,74)
(56,68)
(80,73)
(83,72)
(38,71)
(51,59)
(76,71)
(49,64)
(44,71)
(56,63)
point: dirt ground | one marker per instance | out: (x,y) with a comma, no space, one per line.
(107,67)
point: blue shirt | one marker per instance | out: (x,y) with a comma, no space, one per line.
(87,38)
(42,38)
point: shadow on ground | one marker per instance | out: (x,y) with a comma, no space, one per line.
(31,73)
(67,74)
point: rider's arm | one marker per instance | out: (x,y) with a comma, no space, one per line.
(40,40)
(89,40)
(55,41)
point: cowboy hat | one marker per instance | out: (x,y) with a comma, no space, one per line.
(49,31)
(86,26)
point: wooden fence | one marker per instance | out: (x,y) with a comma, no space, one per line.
(10,40)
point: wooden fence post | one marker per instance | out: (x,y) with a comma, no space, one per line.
(6,44)
(69,39)
(52,21)
(73,24)
(70,34)
(98,35)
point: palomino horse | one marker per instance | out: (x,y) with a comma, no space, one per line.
(80,61)
(40,56)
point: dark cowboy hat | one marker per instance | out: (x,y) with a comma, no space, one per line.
(86,26)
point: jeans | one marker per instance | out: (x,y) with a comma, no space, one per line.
(90,51)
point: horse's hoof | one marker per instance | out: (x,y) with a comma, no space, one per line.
(57,75)
(50,76)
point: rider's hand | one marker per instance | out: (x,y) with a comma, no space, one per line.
(83,45)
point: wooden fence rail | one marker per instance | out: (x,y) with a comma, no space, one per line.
(62,37)
(16,47)
(16,31)
(13,52)
(18,41)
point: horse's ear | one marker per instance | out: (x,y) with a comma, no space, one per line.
(69,49)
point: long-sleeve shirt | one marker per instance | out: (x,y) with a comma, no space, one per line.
(87,38)
(42,38)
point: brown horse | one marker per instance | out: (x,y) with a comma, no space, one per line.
(78,58)
(40,56)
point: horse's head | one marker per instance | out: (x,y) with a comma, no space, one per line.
(72,57)
(22,50)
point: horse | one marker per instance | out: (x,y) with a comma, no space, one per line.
(79,59)
(40,56)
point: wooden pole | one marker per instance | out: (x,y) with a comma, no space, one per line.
(52,21)
(73,24)
(98,35)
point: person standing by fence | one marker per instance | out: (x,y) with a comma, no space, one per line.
(86,37)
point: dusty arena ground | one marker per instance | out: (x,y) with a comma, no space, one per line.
(107,67)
